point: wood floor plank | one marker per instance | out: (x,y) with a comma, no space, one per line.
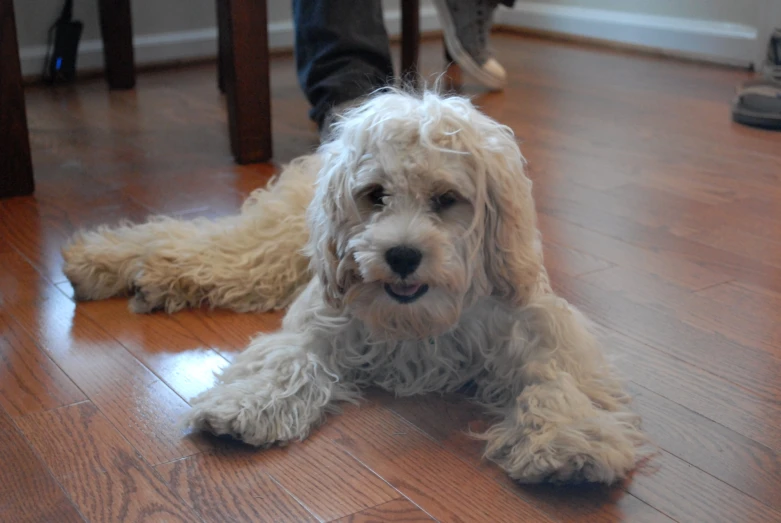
(39,228)
(732,311)
(571,262)
(145,410)
(738,461)
(29,380)
(701,348)
(396,510)
(19,281)
(447,420)
(226,332)
(687,494)
(727,264)
(28,491)
(735,238)
(712,396)
(324,479)
(101,472)
(231,486)
(180,359)
(747,315)
(683,272)
(430,476)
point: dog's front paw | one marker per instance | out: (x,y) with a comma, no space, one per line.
(598,450)
(252,416)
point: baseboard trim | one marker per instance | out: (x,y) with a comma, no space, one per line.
(196,44)
(721,42)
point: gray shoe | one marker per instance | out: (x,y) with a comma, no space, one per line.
(467,25)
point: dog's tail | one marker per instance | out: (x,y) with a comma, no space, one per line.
(250,262)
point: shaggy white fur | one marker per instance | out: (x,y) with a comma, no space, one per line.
(426,274)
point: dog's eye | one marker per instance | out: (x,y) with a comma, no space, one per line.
(444,201)
(377,196)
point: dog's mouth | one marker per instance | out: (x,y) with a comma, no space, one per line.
(405,293)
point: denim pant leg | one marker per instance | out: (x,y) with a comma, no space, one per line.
(342,51)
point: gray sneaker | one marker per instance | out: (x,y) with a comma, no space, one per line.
(466,25)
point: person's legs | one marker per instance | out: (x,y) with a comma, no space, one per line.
(342,51)
(467,25)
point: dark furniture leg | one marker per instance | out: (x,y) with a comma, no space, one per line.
(116,28)
(246,78)
(410,40)
(222,43)
(16,167)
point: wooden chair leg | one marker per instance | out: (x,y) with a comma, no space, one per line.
(222,43)
(246,78)
(116,28)
(16,167)
(410,40)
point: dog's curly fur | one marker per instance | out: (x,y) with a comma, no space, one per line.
(427,173)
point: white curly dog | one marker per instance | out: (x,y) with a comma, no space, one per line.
(417,268)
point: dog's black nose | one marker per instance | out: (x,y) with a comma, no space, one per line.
(403,260)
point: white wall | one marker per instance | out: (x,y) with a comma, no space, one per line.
(164,30)
(723,31)
(733,11)
(168,30)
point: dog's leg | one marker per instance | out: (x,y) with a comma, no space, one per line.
(105,262)
(565,414)
(276,391)
(250,262)
(242,263)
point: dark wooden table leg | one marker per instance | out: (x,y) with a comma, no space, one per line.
(222,42)
(116,28)
(246,79)
(410,40)
(16,167)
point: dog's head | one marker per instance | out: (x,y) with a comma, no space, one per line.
(422,207)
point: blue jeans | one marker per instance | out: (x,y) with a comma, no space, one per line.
(342,51)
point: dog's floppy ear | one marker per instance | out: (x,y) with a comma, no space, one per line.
(327,257)
(513,259)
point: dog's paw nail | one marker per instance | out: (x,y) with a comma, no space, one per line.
(141,304)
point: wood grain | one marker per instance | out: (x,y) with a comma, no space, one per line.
(101,472)
(29,380)
(325,479)
(728,309)
(716,398)
(448,420)
(396,510)
(180,359)
(431,477)
(683,272)
(28,492)
(135,400)
(231,486)
(226,332)
(687,494)
(749,467)
(701,348)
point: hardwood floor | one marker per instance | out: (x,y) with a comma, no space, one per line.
(662,221)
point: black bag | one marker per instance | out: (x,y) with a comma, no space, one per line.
(64,36)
